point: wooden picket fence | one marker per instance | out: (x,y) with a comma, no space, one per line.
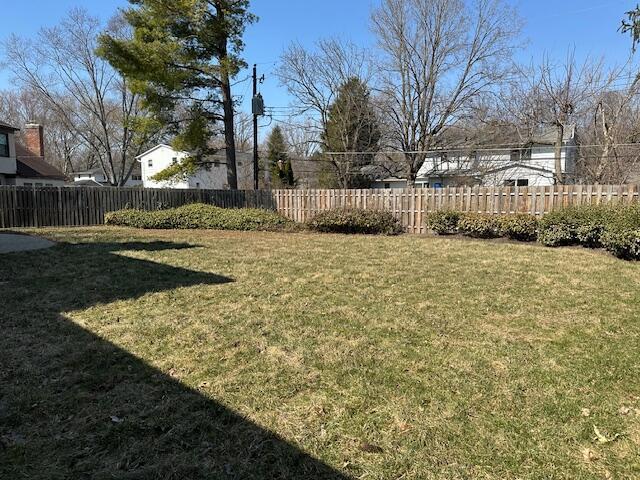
(76,206)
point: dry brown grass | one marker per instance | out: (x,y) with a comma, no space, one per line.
(381,357)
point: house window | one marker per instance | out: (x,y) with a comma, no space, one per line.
(174,160)
(28,184)
(387,185)
(136,177)
(48,184)
(4,145)
(197,185)
(150,163)
(520,182)
(519,154)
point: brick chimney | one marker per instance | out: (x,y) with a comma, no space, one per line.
(34,139)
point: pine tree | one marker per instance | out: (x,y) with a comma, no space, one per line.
(351,126)
(279,161)
(182,58)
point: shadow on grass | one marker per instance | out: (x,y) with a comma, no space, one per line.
(74,406)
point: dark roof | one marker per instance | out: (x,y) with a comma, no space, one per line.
(30,166)
(6,126)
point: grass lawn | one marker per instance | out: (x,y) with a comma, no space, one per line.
(190,355)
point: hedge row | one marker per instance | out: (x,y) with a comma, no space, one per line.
(614,227)
(516,227)
(372,222)
(201,216)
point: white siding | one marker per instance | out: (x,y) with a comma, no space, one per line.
(211,177)
(8,164)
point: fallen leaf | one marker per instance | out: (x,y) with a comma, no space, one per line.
(370,448)
(624,411)
(603,438)
(585,412)
(115,419)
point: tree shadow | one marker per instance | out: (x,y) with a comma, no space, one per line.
(73,405)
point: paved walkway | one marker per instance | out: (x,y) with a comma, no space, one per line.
(10,242)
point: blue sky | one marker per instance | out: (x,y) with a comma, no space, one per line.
(552,26)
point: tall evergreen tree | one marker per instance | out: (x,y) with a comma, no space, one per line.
(279,161)
(182,58)
(351,134)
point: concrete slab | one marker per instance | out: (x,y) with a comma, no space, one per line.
(11,242)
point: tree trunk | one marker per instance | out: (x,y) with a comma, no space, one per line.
(558,154)
(229,136)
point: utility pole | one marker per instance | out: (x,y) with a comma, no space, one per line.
(257,108)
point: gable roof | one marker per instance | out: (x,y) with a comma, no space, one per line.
(29,165)
(157,147)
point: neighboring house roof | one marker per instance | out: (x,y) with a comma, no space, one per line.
(219,155)
(29,165)
(548,136)
(88,172)
(157,147)
(98,171)
(5,126)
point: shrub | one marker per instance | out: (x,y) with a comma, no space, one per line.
(200,216)
(521,227)
(558,228)
(341,220)
(585,225)
(478,225)
(622,242)
(444,222)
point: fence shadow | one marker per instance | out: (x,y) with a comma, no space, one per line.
(73,405)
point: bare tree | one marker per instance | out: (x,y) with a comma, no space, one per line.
(86,94)
(567,92)
(63,148)
(243,131)
(438,56)
(301,136)
(610,152)
(314,76)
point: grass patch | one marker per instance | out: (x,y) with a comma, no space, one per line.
(204,354)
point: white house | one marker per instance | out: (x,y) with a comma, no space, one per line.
(95,177)
(530,164)
(212,176)
(25,165)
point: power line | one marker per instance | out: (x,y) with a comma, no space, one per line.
(474,149)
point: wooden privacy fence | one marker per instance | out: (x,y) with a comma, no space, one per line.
(411,206)
(71,206)
(77,206)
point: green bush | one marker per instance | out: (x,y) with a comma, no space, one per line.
(521,227)
(478,225)
(444,222)
(200,216)
(341,220)
(558,228)
(622,242)
(586,225)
